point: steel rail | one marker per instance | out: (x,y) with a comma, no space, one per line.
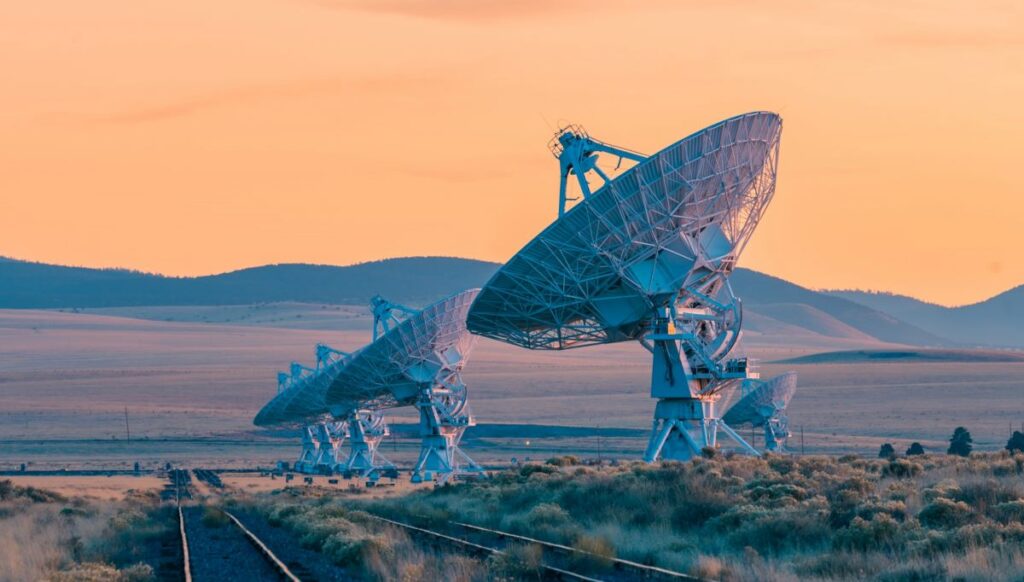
(478,548)
(618,563)
(186,560)
(269,555)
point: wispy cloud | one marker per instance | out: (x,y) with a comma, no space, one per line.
(472,10)
(981,39)
(242,96)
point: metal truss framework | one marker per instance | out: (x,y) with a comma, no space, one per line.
(647,257)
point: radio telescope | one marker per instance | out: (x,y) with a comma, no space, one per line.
(299,401)
(763,404)
(416,358)
(646,257)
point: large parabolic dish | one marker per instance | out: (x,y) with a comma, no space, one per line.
(428,347)
(647,257)
(595,275)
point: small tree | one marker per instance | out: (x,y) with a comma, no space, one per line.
(887,451)
(960,443)
(915,449)
(1016,442)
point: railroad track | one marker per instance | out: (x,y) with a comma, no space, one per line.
(219,553)
(617,569)
(209,477)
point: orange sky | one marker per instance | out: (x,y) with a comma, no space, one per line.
(193,137)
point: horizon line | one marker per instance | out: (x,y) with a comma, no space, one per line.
(825,290)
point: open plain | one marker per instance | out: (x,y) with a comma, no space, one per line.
(191,379)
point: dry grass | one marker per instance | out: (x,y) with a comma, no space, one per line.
(778,518)
(375,550)
(44,536)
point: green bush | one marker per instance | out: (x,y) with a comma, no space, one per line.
(1010,511)
(901,469)
(945,514)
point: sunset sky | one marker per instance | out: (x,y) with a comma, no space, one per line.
(194,137)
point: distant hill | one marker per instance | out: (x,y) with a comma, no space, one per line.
(998,321)
(766,294)
(409,280)
(857,356)
(774,307)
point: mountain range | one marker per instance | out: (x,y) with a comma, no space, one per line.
(773,306)
(998,321)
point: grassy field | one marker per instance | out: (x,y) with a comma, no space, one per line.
(733,519)
(47,536)
(723,517)
(191,389)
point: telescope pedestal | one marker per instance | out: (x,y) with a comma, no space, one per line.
(306,462)
(366,432)
(685,419)
(441,458)
(330,439)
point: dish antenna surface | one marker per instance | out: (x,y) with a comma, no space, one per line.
(646,257)
(416,359)
(763,404)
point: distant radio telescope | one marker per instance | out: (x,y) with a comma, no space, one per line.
(415,359)
(646,257)
(762,404)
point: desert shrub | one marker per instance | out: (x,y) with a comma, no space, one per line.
(915,449)
(598,553)
(772,530)
(99,572)
(901,469)
(546,521)
(947,488)
(982,495)
(711,568)
(837,565)
(914,572)
(880,531)
(945,513)
(776,494)
(893,508)
(9,491)
(698,506)
(1010,511)
(887,451)
(532,469)
(519,562)
(564,461)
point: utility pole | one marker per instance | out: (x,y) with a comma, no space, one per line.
(801,440)
(127,430)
